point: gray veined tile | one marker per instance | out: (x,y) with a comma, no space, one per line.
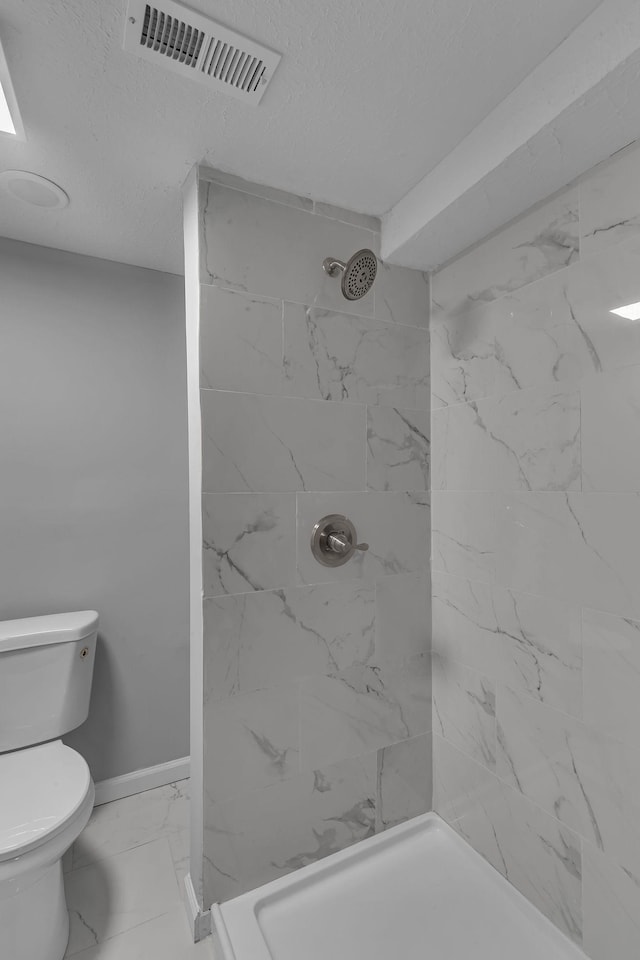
(240,342)
(404,781)
(264,248)
(611,903)
(361,709)
(394,524)
(221,870)
(398,449)
(464,709)
(539,243)
(612,675)
(261,444)
(538,855)
(402,295)
(587,780)
(291,824)
(260,640)
(609,207)
(333,356)
(250,741)
(611,431)
(248,541)
(531,643)
(464,533)
(164,938)
(403,619)
(528,440)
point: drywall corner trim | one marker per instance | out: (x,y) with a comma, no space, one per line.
(140,780)
(199,920)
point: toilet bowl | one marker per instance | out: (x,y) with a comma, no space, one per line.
(46,790)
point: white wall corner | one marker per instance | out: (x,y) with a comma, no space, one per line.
(577,108)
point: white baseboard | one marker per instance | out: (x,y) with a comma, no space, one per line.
(199,920)
(140,780)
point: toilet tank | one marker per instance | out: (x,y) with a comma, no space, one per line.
(46,669)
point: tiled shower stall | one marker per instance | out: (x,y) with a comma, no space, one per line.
(312,688)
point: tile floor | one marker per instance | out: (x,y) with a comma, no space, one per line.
(124,877)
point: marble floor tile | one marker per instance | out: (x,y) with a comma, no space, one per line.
(531,643)
(394,524)
(251,741)
(612,675)
(464,709)
(611,905)
(527,440)
(260,640)
(120,892)
(536,853)
(248,542)
(164,938)
(240,342)
(609,208)
(260,444)
(398,449)
(404,781)
(131,822)
(402,295)
(268,247)
(334,356)
(537,244)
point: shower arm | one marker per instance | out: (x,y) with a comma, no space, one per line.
(332,266)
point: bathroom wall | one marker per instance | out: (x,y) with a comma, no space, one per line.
(536,555)
(93,474)
(317,710)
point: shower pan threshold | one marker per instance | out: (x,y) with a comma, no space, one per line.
(416,892)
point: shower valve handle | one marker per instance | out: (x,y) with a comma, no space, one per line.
(340,543)
(334,540)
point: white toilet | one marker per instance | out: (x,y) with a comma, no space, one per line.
(46,790)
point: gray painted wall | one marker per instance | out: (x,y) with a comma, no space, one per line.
(93,484)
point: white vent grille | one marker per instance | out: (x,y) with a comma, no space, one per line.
(199,48)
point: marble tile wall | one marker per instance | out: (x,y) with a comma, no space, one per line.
(536,555)
(317,682)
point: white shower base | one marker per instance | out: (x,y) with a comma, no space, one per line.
(415,892)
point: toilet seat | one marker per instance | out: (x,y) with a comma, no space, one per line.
(43,789)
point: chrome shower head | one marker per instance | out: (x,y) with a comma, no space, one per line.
(358,273)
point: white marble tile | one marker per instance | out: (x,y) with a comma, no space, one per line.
(133,821)
(333,356)
(119,893)
(537,244)
(585,779)
(240,341)
(250,741)
(248,541)
(404,781)
(260,444)
(611,431)
(538,855)
(360,709)
(164,938)
(266,248)
(531,643)
(402,295)
(259,640)
(395,525)
(612,675)
(221,870)
(292,824)
(609,203)
(581,548)
(611,906)
(398,449)
(464,709)
(527,440)
(403,619)
(464,536)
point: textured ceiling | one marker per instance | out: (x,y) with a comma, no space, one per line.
(369,97)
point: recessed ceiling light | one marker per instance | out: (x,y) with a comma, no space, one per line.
(10,122)
(630,312)
(33,189)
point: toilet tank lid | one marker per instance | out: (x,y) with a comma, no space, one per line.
(54,628)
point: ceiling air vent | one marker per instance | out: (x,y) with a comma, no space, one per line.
(197,47)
